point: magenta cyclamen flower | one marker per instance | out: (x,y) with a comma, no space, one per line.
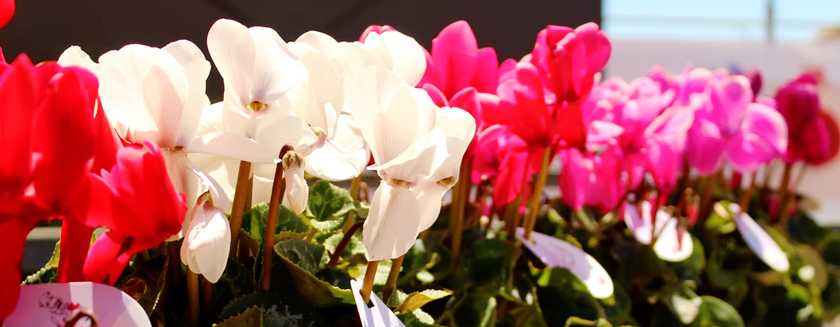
(728,124)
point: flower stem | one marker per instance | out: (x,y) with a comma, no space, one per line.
(391,284)
(367,286)
(343,244)
(536,196)
(781,192)
(238,207)
(208,296)
(355,186)
(278,189)
(708,196)
(192,294)
(460,198)
(747,195)
(512,216)
(790,198)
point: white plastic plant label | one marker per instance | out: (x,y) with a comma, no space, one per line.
(378,315)
(53,304)
(558,253)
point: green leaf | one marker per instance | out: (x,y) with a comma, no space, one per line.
(253,222)
(784,305)
(562,295)
(830,248)
(250,318)
(382,271)
(328,205)
(276,310)
(575,321)
(427,261)
(831,297)
(354,248)
(235,282)
(42,276)
(721,218)
(417,300)
(619,312)
(306,255)
(303,261)
(728,268)
(487,265)
(474,309)
(691,267)
(716,312)
(413,319)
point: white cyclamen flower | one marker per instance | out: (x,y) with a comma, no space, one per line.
(208,237)
(418,149)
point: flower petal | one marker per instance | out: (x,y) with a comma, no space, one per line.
(388,233)
(759,241)
(407,56)
(196,68)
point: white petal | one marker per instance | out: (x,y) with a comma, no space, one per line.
(210,237)
(223,170)
(557,253)
(144,88)
(327,45)
(297,191)
(327,86)
(430,197)
(196,68)
(391,227)
(275,72)
(759,241)
(233,51)
(217,193)
(408,58)
(668,246)
(263,182)
(211,119)
(376,47)
(418,161)
(394,128)
(232,146)
(371,93)
(75,56)
(331,163)
(276,131)
(459,127)
(640,224)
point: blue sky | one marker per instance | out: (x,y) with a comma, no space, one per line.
(716,19)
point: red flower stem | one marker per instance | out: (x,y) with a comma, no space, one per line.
(462,189)
(512,216)
(278,189)
(536,196)
(192,295)
(781,193)
(708,196)
(367,285)
(343,244)
(208,295)
(746,197)
(391,284)
(238,207)
(790,199)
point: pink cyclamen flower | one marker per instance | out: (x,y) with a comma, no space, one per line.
(728,125)
(456,63)
(810,130)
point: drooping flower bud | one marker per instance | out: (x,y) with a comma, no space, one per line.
(297,191)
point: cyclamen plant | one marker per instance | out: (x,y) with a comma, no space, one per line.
(226,214)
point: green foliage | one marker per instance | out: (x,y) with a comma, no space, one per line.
(276,310)
(304,261)
(42,276)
